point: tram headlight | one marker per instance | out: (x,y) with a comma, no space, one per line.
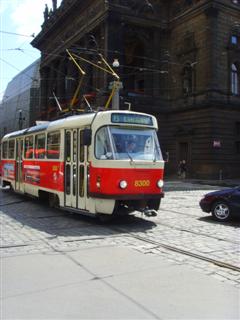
(160,183)
(123,184)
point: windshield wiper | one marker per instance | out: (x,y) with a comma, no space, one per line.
(155,155)
(130,157)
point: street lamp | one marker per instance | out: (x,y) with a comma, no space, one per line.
(117,85)
(115,63)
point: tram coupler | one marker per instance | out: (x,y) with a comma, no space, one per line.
(150,212)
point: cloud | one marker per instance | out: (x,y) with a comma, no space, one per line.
(27,15)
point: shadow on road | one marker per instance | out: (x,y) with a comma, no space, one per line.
(235,222)
(55,222)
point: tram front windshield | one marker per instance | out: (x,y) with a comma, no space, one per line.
(127,143)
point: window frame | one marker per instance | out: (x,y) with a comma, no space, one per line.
(4,149)
(11,156)
(234,77)
(27,149)
(36,154)
(53,157)
(187,79)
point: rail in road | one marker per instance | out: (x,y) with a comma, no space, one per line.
(182,251)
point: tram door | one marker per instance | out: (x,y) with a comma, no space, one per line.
(82,173)
(75,169)
(19,165)
(71,168)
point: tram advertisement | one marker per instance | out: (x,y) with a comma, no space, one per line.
(9,171)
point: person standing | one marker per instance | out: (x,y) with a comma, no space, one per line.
(182,169)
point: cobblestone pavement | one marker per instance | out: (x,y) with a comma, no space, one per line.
(29,227)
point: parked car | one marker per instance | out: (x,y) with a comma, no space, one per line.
(223,204)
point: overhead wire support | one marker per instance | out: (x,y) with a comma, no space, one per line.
(75,62)
(114,88)
(108,70)
(81,80)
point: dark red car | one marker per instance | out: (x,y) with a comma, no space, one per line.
(223,204)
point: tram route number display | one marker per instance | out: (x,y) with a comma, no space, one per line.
(131,119)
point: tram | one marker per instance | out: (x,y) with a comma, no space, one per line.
(102,163)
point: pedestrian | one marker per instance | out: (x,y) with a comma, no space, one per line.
(179,169)
(182,169)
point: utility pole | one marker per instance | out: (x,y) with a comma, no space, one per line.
(117,85)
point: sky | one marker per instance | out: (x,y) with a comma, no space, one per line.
(19,20)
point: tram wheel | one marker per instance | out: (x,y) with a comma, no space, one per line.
(154,204)
(53,200)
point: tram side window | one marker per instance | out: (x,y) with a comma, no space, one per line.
(102,144)
(28,147)
(53,145)
(40,149)
(4,150)
(11,147)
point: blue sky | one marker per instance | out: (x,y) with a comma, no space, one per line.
(23,17)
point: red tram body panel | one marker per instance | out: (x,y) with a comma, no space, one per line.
(140,182)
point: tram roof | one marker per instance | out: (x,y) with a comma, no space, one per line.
(64,123)
(72,121)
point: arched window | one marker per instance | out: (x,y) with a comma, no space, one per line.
(234,79)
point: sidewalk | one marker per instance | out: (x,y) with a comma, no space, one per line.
(110,282)
(221,183)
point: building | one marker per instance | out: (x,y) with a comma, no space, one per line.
(179,60)
(20,105)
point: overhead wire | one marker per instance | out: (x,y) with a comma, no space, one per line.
(18,34)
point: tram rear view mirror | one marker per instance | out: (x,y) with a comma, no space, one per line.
(87,137)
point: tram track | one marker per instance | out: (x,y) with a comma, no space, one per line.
(12,203)
(197,233)
(158,244)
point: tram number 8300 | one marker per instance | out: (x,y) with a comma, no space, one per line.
(142,183)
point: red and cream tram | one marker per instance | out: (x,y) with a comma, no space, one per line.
(102,163)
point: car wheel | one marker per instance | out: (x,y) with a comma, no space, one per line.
(221,211)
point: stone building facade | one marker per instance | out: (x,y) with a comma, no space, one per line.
(179,60)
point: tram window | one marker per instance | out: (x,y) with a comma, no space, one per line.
(28,148)
(40,150)
(4,150)
(68,146)
(53,145)
(102,144)
(81,181)
(135,144)
(11,147)
(81,147)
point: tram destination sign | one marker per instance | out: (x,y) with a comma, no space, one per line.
(132,119)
